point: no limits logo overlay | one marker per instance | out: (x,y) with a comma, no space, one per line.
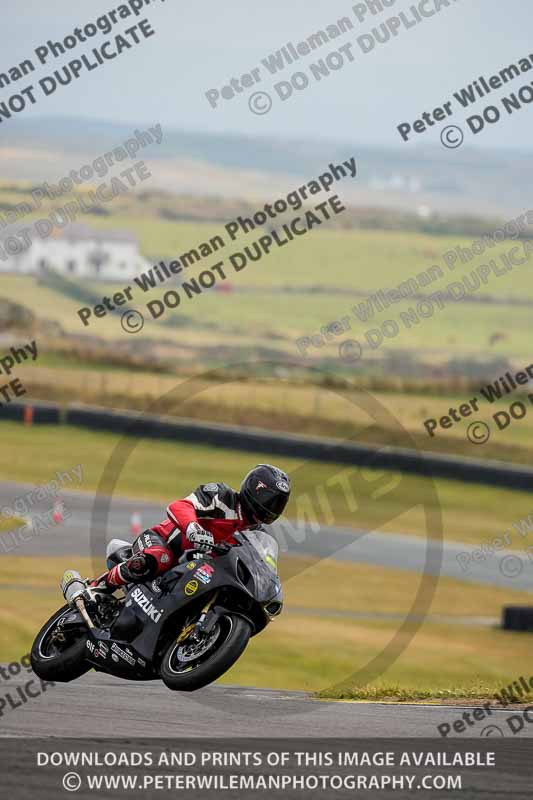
(357,489)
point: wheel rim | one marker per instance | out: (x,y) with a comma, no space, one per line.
(47,639)
(185,658)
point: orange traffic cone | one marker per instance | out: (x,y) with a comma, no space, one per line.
(136,524)
(59,511)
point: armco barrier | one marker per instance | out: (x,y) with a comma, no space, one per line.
(43,413)
(490,473)
(517,618)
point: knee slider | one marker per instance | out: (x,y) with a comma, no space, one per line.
(139,567)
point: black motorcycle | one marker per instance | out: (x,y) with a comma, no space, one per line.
(187,627)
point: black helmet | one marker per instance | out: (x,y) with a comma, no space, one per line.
(264,493)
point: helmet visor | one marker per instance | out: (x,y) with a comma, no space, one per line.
(269,509)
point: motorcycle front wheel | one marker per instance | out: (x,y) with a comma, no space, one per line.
(190,665)
(59,654)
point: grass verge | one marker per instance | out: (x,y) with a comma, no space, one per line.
(474,694)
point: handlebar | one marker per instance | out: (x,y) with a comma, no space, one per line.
(221,548)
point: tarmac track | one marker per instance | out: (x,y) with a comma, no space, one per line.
(102,706)
(83,534)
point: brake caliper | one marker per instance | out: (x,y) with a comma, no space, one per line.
(186,632)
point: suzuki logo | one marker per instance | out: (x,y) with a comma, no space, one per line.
(149,609)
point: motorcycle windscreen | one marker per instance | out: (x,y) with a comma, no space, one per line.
(267,547)
(260,554)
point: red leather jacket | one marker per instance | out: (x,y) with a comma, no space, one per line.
(214,506)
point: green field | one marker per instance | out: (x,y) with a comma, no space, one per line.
(293,293)
(335,265)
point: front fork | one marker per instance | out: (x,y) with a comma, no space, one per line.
(198,629)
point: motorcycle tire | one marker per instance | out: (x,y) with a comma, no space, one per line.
(63,666)
(187,676)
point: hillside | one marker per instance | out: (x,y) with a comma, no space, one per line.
(206,163)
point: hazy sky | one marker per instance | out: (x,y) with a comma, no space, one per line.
(202,45)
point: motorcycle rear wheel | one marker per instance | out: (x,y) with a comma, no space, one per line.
(53,660)
(232,636)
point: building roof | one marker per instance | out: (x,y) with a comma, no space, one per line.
(75,232)
(83,233)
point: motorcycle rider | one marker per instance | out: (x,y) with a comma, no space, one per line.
(209,515)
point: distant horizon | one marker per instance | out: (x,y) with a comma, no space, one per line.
(131,124)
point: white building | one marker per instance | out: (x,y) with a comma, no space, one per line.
(83,253)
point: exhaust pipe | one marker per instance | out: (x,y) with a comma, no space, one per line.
(73,587)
